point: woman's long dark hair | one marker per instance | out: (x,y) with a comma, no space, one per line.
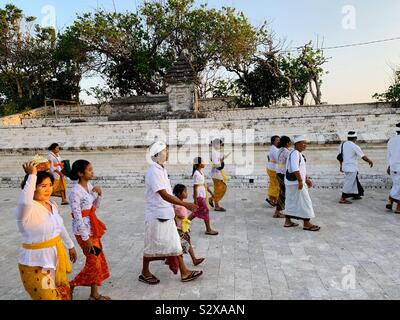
(41,175)
(196,164)
(53,146)
(283,142)
(78,166)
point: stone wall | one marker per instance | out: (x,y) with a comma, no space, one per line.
(127,167)
(216,104)
(118,148)
(321,128)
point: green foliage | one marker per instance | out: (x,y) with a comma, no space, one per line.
(133,52)
(29,69)
(392,95)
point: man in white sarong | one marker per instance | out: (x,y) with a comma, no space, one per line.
(298,202)
(161,239)
(352,187)
(394,170)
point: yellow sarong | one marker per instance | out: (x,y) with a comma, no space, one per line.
(273,190)
(59,187)
(219,189)
(63,264)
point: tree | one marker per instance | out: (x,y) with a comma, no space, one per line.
(313,60)
(298,78)
(264,85)
(29,71)
(392,95)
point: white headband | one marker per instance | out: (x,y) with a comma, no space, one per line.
(156,148)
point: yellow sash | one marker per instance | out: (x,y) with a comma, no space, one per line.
(63,263)
(185,225)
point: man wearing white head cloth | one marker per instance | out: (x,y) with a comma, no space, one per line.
(298,202)
(162,241)
(351,152)
(394,169)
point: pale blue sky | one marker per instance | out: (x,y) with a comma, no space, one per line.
(355,73)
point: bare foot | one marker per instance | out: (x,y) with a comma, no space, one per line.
(198,261)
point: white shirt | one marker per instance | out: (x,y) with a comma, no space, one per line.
(283,154)
(351,154)
(79,200)
(198,178)
(54,159)
(216,162)
(394,153)
(272,158)
(292,165)
(36,224)
(156,207)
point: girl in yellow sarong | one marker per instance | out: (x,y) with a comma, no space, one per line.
(218,174)
(43,260)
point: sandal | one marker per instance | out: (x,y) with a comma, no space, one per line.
(389,206)
(345,202)
(192,276)
(211,233)
(152,280)
(220,209)
(99,297)
(198,261)
(272,204)
(292,225)
(312,228)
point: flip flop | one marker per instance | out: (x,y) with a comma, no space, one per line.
(149,280)
(292,225)
(211,233)
(313,228)
(193,276)
(389,206)
(271,203)
(345,202)
(220,209)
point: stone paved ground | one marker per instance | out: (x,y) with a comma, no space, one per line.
(254,257)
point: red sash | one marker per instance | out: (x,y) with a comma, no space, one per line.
(98,227)
(60,164)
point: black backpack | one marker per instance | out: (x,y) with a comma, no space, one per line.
(340,155)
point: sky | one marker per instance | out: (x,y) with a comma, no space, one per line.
(355,73)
